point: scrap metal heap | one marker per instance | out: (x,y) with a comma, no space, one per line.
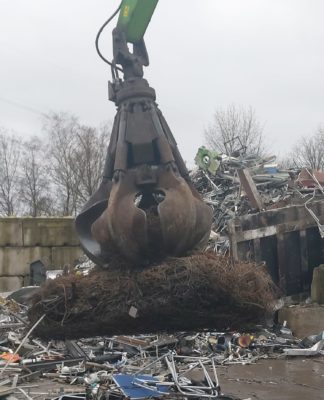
(222,181)
(169,366)
(195,292)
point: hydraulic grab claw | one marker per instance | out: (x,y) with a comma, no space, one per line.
(146,206)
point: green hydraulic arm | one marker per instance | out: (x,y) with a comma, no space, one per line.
(133,20)
(134,17)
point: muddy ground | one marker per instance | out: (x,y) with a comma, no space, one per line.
(289,379)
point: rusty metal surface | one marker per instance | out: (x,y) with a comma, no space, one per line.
(308,178)
(146,207)
(250,188)
(149,209)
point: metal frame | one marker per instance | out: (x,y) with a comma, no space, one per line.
(183,388)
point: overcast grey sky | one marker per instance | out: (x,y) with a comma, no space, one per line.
(204,54)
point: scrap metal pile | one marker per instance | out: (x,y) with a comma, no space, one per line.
(196,292)
(218,179)
(181,365)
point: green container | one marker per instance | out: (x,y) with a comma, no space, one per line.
(134,17)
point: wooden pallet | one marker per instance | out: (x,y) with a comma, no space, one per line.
(287,239)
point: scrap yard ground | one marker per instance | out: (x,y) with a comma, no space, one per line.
(124,275)
(291,379)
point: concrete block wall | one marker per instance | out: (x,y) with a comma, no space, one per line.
(24,240)
(303,320)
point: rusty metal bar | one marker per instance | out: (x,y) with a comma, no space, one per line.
(250,188)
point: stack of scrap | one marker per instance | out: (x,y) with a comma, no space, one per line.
(199,291)
(244,184)
(179,365)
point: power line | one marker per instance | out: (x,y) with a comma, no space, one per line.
(23,106)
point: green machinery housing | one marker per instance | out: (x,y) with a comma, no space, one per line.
(134,17)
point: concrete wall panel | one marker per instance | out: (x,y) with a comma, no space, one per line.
(65,255)
(11,232)
(49,232)
(24,240)
(303,320)
(15,261)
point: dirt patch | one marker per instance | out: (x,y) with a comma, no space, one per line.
(291,379)
(201,291)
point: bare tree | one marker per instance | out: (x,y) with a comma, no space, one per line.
(235,129)
(77,153)
(10,148)
(35,194)
(91,148)
(286,162)
(309,151)
(62,130)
